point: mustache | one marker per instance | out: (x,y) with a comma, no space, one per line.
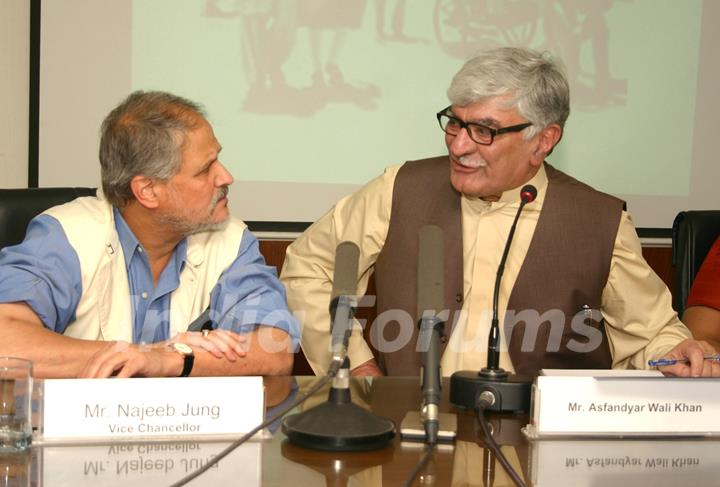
(469,161)
(221,193)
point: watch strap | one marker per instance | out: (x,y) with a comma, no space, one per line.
(188,357)
(188,362)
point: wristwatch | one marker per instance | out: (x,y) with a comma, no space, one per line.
(188,357)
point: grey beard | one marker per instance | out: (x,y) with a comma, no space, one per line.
(187,228)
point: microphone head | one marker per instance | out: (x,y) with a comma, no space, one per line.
(528,193)
(346,270)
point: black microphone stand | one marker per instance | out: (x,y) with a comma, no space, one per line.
(432,330)
(339,424)
(506,393)
(430,301)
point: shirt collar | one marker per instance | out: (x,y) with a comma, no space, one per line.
(131,245)
(539,180)
(512,196)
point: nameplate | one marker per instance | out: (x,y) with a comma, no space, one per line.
(90,409)
(623,462)
(158,463)
(622,403)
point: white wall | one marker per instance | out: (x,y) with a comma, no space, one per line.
(14,91)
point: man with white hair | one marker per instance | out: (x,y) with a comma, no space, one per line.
(576,292)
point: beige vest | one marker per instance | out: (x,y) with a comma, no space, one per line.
(571,249)
(105,309)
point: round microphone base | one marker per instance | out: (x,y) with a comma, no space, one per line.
(493,374)
(333,426)
(511,392)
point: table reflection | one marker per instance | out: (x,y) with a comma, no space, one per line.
(625,462)
(15,469)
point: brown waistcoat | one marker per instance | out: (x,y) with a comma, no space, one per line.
(563,274)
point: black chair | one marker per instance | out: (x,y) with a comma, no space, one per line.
(693,233)
(19,206)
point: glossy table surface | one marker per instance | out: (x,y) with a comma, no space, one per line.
(273,461)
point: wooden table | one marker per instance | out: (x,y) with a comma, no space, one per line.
(273,461)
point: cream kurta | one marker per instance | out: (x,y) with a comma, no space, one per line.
(636,304)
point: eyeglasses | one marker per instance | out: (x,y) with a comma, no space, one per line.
(480,134)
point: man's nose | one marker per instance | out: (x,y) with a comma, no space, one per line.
(461,144)
(224,177)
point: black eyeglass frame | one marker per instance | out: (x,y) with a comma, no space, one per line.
(466,125)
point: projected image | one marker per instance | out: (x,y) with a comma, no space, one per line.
(316,97)
(565,27)
(268,34)
(359,80)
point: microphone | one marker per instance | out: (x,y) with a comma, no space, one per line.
(492,384)
(343,301)
(430,299)
(528,193)
(338,424)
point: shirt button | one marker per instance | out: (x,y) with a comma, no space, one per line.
(144,295)
(458,298)
(140,250)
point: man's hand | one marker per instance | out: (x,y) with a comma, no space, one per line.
(122,359)
(694,351)
(220,343)
(368,368)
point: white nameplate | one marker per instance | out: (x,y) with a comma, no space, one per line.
(82,409)
(159,463)
(624,462)
(621,403)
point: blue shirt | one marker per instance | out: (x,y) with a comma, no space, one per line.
(44,272)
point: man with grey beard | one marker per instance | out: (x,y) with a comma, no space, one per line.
(576,291)
(108,285)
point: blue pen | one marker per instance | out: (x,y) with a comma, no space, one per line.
(673,361)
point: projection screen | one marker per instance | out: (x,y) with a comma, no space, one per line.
(312,98)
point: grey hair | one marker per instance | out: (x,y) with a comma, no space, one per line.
(534,81)
(144,135)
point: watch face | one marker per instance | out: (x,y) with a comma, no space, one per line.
(182,348)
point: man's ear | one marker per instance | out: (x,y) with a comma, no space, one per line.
(546,141)
(145,191)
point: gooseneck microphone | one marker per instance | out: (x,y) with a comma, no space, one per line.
(527,195)
(431,302)
(338,424)
(503,392)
